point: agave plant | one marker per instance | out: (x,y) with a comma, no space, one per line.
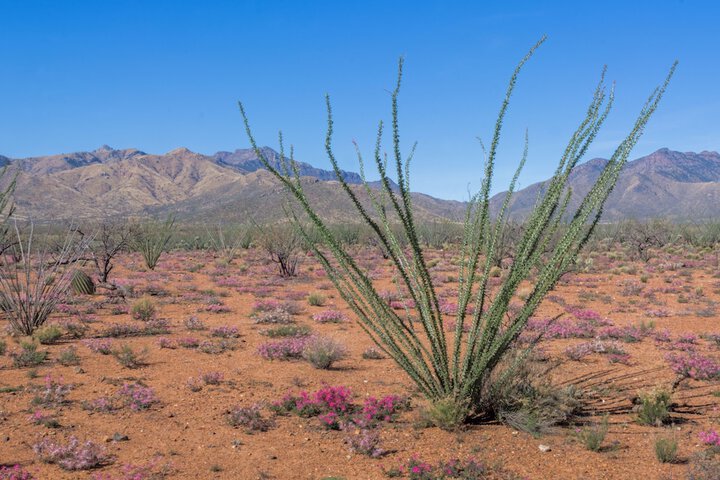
(456,369)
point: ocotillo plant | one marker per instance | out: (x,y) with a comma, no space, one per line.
(457,370)
(32,285)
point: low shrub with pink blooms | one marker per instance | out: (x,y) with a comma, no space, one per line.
(693,365)
(52,393)
(225,331)
(329,316)
(137,397)
(16,472)
(629,333)
(382,409)
(250,418)
(334,407)
(164,342)
(152,470)
(103,346)
(364,442)
(212,378)
(72,456)
(468,469)
(582,350)
(215,308)
(286,349)
(710,438)
(188,342)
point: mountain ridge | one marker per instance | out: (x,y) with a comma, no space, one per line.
(123,182)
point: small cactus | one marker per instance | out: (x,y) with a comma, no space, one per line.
(82,284)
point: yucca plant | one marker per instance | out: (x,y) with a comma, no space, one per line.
(459,367)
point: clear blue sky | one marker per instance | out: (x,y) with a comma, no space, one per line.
(156,75)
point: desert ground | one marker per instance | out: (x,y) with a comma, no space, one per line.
(196,396)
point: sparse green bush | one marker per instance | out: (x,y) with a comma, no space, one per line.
(458,371)
(322,352)
(316,299)
(445,413)
(48,335)
(129,358)
(28,355)
(666,449)
(593,436)
(69,357)
(143,309)
(287,331)
(654,407)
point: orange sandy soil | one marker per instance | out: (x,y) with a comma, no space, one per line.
(188,429)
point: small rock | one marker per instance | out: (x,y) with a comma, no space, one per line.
(544,448)
(119,437)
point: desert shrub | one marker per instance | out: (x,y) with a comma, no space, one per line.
(693,365)
(151,240)
(593,436)
(193,324)
(16,472)
(316,299)
(654,407)
(73,455)
(225,331)
(75,329)
(522,395)
(458,370)
(136,396)
(329,316)
(212,378)
(129,358)
(250,418)
(99,345)
(322,352)
(69,356)
(447,414)
(365,442)
(52,393)
(704,466)
(286,349)
(143,309)
(217,347)
(277,316)
(3,347)
(666,449)
(287,331)
(372,353)
(283,243)
(48,335)
(227,241)
(28,355)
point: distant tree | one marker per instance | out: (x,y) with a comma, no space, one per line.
(111,238)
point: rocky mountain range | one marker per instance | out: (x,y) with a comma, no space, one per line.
(234,185)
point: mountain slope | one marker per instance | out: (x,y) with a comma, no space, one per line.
(194,186)
(234,186)
(666,183)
